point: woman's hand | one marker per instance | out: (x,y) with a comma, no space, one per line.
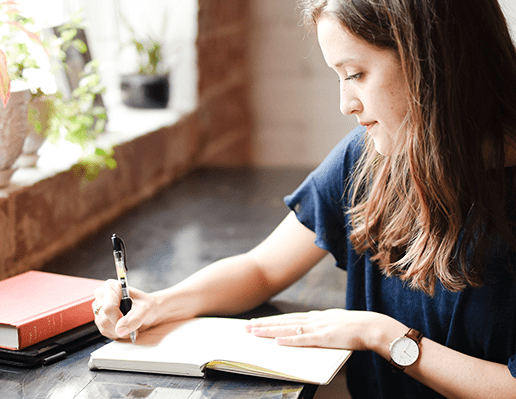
(110,320)
(333,328)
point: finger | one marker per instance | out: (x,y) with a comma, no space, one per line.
(107,302)
(105,326)
(112,291)
(300,340)
(94,306)
(111,300)
(98,294)
(279,320)
(278,331)
(122,331)
(127,325)
(132,321)
(286,316)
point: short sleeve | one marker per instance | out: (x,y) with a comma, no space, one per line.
(512,365)
(320,202)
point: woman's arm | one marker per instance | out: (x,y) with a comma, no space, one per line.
(451,373)
(229,286)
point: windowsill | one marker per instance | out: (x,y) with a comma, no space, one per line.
(49,209)
(124,124)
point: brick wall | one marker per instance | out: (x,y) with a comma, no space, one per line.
(44,219)
(224,114)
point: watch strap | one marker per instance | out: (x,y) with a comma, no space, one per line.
(414,335)
(395,367)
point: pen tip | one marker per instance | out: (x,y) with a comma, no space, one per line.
(133,337)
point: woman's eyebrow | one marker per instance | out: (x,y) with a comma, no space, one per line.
(345,61)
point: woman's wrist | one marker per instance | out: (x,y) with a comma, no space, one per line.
(170,304)
(382,331)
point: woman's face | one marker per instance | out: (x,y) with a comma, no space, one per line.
(372,85)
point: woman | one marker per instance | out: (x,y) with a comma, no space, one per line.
(418,205)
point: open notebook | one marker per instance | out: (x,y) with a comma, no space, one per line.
(188,348)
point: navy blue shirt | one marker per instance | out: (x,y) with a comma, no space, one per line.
(479,322)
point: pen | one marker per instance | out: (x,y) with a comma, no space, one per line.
(121,268)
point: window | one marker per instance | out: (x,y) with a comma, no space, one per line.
(173,21)
(106,33)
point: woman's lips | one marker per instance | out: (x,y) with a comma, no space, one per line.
(368,125)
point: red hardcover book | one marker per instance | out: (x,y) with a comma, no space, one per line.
(37,305)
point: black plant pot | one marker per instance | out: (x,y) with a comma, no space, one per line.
(145,91)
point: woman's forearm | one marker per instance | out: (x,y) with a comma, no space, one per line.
(226,287)
(449,372)
(456,375)
(240,283)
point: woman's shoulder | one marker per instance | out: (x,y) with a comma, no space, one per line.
(352,144)
(330,179)
(346,153)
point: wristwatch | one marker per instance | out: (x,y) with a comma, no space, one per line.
(405,350)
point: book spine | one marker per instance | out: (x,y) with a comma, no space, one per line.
(54,324)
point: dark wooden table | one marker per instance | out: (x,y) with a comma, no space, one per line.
(208,215)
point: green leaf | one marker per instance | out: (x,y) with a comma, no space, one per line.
(68,35)
(139,46)
(80,46)
(111,163)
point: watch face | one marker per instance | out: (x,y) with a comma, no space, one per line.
(404,351)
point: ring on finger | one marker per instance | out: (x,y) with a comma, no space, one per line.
(299,330)
(96,311)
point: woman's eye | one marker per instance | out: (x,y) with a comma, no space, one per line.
(354,77)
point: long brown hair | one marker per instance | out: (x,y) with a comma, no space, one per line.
(428,212)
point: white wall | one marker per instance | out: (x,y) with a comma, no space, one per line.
(294,93)
(509,8)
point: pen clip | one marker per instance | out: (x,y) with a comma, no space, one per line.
(119,246)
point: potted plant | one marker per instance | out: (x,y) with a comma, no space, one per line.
(17,35)
(40,111)
(149,85)
(81,115)
(80,121)
(74,117)
(56,116)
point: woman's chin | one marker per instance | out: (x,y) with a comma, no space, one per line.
(381,147)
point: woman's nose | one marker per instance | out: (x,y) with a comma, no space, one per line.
(349,103)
